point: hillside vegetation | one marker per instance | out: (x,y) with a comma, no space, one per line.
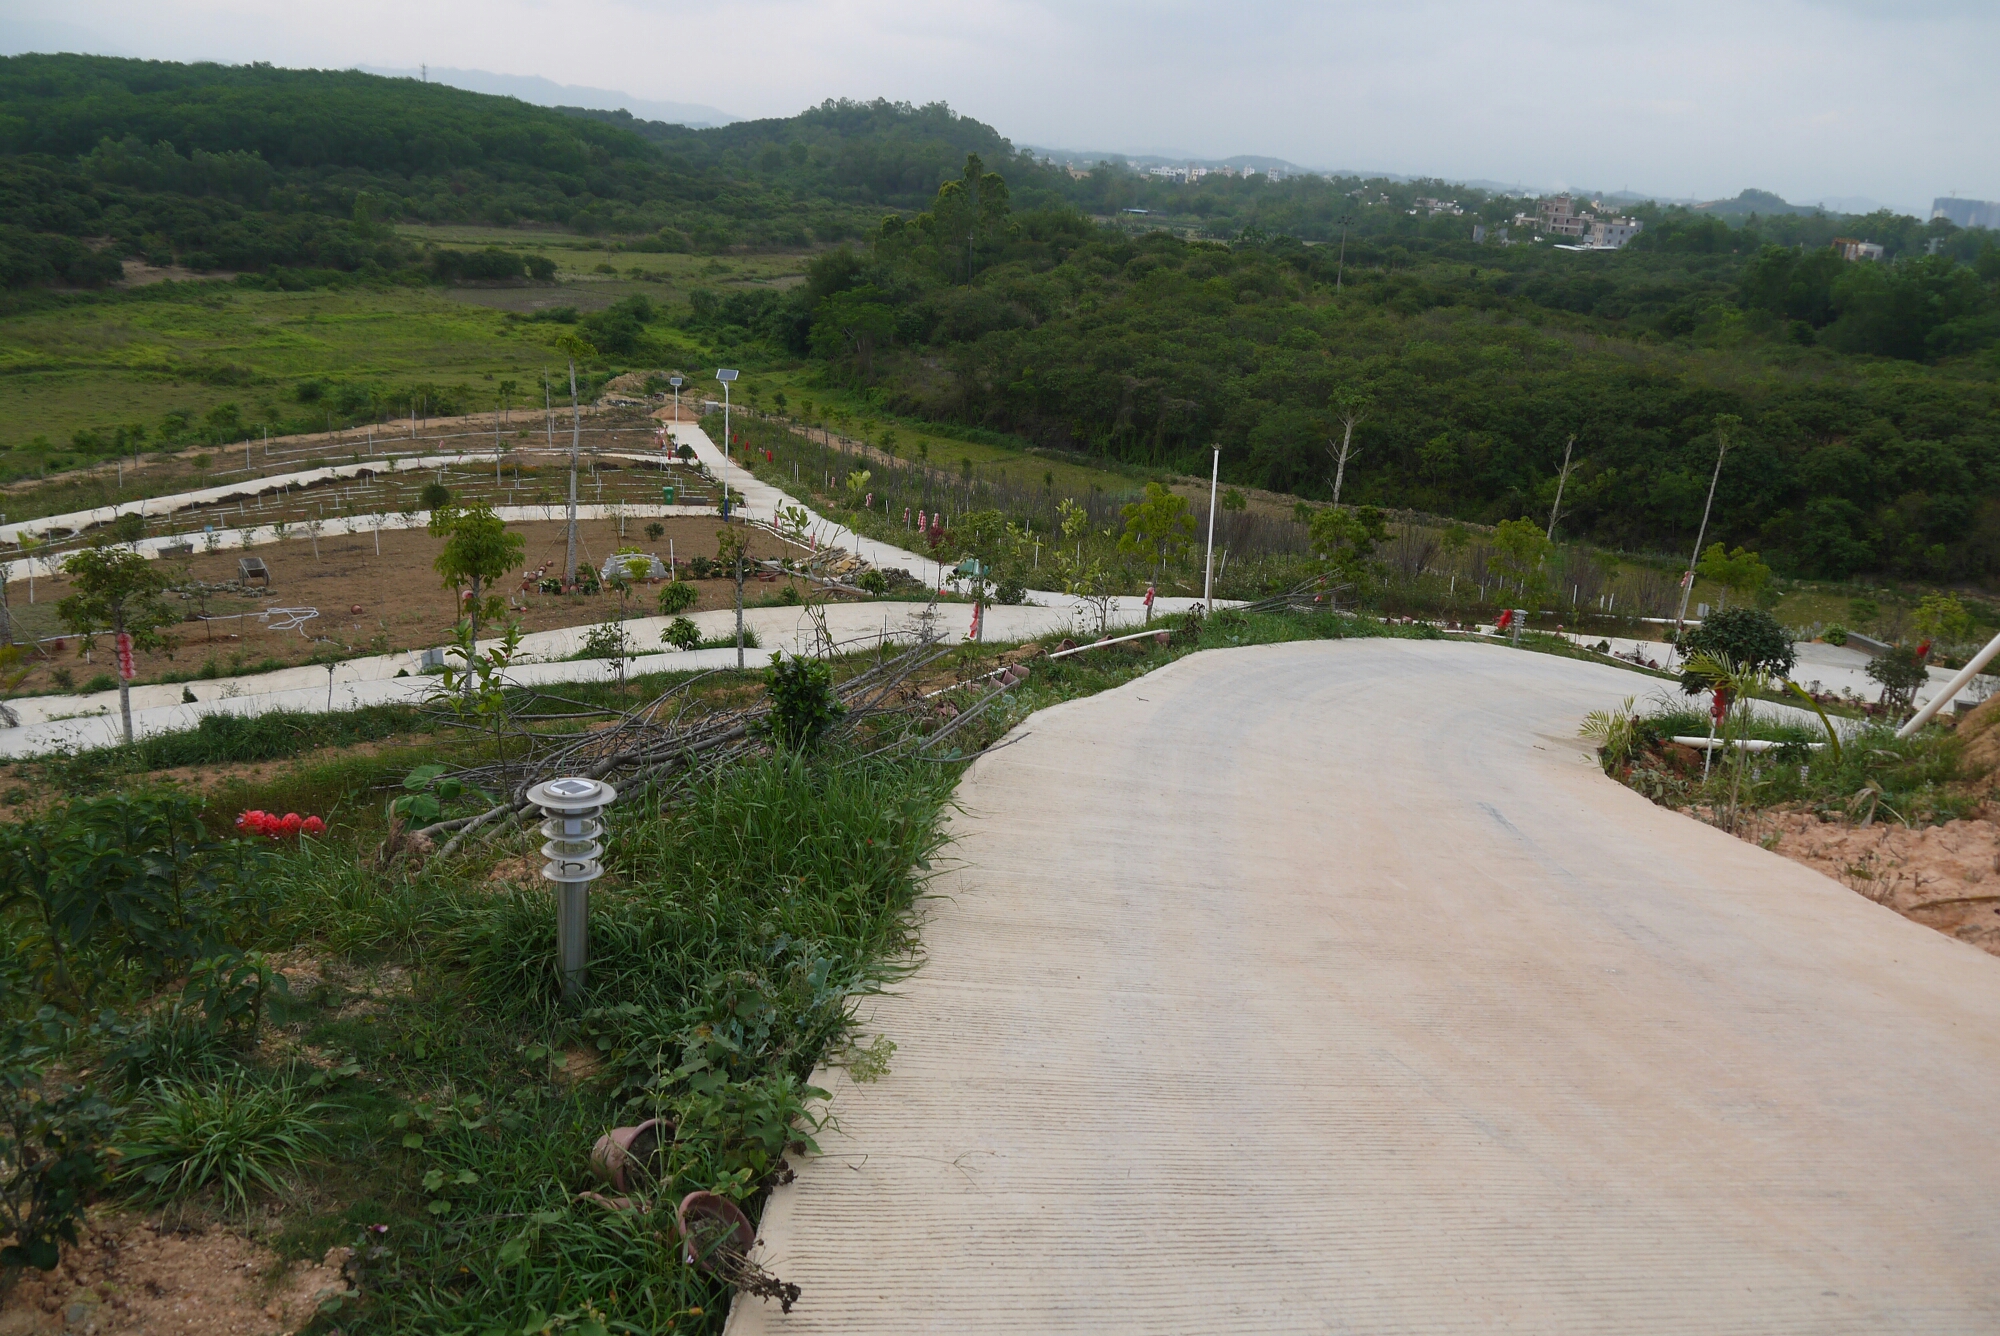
(950,279)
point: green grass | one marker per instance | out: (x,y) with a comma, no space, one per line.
(125,359)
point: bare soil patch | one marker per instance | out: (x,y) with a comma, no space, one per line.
(1945,877)
(129,1275)
(402,603)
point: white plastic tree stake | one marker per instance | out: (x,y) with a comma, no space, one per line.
(574,848)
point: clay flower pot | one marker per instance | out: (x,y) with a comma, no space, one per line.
(713,1231)
(623,1157)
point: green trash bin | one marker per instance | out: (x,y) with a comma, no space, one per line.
(667,494)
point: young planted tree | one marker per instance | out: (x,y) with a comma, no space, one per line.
(732,550)
(478,550)
(1345,540)
(1524,554)
(1158,526)
(575,347)
(117,589)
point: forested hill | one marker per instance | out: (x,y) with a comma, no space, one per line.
(247,166)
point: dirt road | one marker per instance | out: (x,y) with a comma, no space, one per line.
(1329,987)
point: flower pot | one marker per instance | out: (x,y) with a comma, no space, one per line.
(713,1231)
(624,1156)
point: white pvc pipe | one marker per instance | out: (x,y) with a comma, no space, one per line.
(1744,744)
(1952,688)
(1098,644)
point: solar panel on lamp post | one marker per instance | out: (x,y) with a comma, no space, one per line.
(727,375)
(676,382)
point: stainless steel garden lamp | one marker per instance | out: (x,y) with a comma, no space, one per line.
(574,847)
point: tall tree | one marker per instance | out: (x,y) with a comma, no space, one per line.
(576,348)
(1348,408)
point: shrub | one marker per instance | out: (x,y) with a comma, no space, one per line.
(1750,638)
(681,634)
(435,496)
(701,567)
(101,682)
(1901,671)
(803,704)
(874,582)
(55,1155)
(100,881)
(606,640)
(677,597)
(1835,634)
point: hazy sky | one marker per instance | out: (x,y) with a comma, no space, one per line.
(1896,101)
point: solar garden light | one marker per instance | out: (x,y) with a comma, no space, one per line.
(570,808)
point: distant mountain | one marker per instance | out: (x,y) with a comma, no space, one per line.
(1761,202)
(1170,159)
(540,92)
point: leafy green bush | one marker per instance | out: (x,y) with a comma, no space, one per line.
(682,634)
(1900,671)
(55,1155)
(1750,638)
(803,704)
(236,1134)
(1835,634)
(676,597)
(101,882)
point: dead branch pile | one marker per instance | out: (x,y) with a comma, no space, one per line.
(676,736)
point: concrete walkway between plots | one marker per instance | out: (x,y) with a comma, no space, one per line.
(1331,987)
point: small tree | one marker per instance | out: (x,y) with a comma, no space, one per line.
(1901,671)
(1524,553)
(1158,526)
(1346,539)
(732,549)
(477,551)
(117,588)
(1741,572)
(1942,617)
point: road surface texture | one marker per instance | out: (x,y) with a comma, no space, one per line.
(1330,987)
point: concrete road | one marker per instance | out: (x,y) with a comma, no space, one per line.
(1330,987)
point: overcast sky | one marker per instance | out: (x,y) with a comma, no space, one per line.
(1815,99)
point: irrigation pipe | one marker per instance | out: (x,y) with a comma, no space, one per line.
(1952,688)
(1099,644)
(1746,744)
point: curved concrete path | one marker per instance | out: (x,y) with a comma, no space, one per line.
(1330,987)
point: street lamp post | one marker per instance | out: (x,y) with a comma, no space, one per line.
(676,382)
(727,375)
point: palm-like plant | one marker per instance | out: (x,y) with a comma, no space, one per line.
(1738,683)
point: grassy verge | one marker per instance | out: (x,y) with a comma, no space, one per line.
(1871,775)
(420,1093)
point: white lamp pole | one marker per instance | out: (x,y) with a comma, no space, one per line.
(571,808)
(1208,562)
(676,382)
(726,375)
